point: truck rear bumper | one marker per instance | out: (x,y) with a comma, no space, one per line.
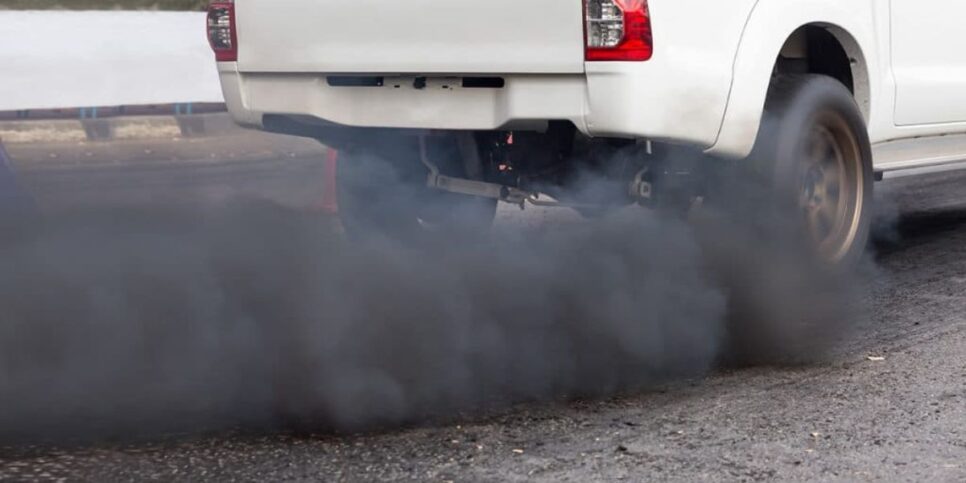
(523,101)
(630,100)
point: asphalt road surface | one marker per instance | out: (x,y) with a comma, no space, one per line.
(891,405)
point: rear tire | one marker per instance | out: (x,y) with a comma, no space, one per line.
(786,269)
(813,150)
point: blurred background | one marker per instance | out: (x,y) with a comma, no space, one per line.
(105,4)
(110,102)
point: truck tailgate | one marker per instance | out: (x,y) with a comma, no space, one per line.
(411,36)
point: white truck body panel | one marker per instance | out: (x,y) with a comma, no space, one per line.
(705,85)
(929,61)
(771,24)
(411,36)
(679,95)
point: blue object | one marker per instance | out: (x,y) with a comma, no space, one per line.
(187,108)
(13,199)
(88,113)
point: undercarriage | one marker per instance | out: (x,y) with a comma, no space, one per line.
(561,167)
(556,166)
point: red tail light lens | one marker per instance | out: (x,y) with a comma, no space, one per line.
(221,31)
(618,30)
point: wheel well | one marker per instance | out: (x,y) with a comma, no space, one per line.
(827,50)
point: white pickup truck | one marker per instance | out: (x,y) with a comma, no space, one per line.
(510,99)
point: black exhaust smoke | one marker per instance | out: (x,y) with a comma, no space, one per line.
(129,321)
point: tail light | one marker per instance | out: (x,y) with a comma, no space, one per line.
(618,30)
(221,30)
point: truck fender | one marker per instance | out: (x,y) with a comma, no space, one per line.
(770,25)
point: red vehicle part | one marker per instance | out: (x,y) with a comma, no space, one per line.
(222,35)
(618,30)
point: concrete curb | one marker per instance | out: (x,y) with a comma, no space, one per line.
(115,128)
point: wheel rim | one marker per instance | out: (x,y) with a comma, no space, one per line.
(831,187)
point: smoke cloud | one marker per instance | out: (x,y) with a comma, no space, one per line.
(131,320)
